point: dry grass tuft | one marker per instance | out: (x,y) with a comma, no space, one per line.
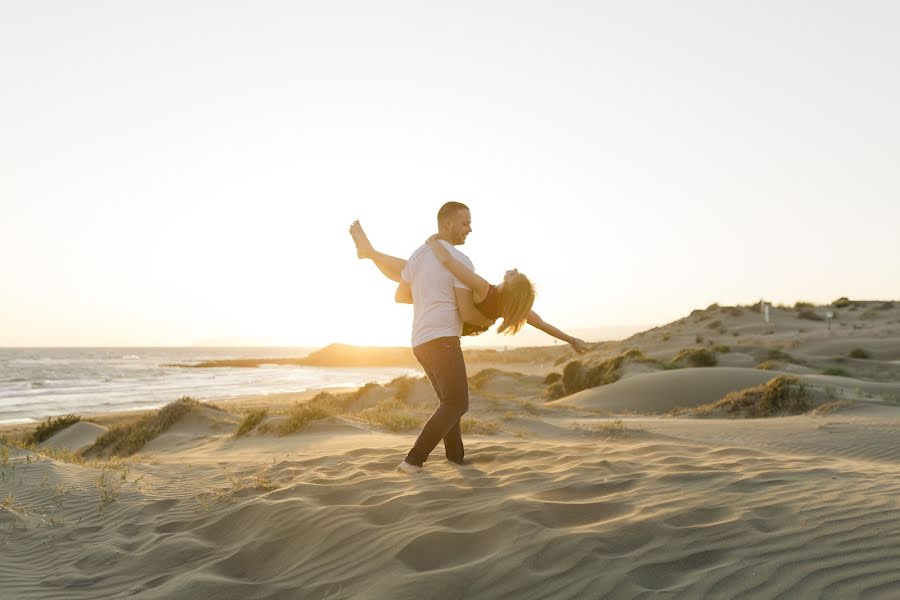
(250,422)
(128,438)
(614,428)
(46,430)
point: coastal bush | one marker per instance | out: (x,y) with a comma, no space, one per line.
(803,306)
(721,349)
(552,378)
(841,302)
(859,353)
(782,396)
(666,336)
(46,430)
(251,420)
(573,377)
(698,339)
(735,311)
(885,305)
(695,357)
(715,325)
(769,365)
(128,438)
(555,392)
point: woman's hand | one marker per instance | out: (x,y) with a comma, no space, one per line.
(579,346)
(432,240)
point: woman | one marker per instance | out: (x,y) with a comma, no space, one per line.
(510,300)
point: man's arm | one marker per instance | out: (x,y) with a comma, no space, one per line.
(403,295)
(578,345)
(466,306)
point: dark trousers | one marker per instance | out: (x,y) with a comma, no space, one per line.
(442,360)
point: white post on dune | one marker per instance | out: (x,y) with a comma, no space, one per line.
(766,311)
(828,317)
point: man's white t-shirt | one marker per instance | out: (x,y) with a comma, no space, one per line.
(435,313)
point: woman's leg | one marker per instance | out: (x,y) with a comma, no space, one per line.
(391,266)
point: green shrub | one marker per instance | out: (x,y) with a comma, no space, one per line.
(859,353)
(715,325)
(573,377)
(45,431)
(721,349)
(803,306)
(698,339)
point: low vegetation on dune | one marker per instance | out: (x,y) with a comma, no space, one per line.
(128,438)
(779,397)
(44,431)
(251,421)
(693,357)
(859,353)
(577,376)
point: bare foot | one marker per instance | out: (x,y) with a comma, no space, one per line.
(364,247)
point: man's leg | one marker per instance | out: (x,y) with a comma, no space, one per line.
(443,362)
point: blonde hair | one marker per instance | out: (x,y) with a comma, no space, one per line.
(516,299)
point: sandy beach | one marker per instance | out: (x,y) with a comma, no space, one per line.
(715,457)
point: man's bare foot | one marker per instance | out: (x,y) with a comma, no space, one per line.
(364,247)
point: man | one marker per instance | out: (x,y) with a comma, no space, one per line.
(441,303)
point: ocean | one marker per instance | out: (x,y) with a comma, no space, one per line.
(39,382)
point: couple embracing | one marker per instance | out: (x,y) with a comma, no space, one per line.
(450,300)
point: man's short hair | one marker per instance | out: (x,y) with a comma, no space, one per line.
(450,209)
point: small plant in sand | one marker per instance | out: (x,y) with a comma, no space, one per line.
(388,414)
(781,396)
(301,415)
(251,421)
(769,365)
(721,349)
(612,428)
(4,455)
(859,353)
(666,337)
(45,431)
(695,357)
(128,438)
(472,426)
(715,325)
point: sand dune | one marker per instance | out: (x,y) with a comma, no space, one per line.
(76,437)
(662,391)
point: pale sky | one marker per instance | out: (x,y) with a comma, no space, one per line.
(172,172)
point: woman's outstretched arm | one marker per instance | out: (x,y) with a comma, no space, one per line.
(391,266)
(469,277)
(577,344)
